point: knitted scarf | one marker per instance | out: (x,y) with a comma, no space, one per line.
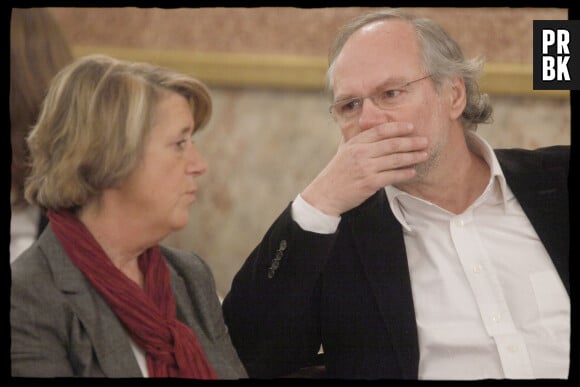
(148,314)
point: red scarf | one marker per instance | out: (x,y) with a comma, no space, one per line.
(149,314)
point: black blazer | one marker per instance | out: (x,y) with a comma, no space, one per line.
(351,290)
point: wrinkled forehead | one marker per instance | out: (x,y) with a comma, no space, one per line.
(391,40)
(376,52)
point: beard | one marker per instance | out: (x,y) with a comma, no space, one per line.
(424,169)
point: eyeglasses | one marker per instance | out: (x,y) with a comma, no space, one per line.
(344,111)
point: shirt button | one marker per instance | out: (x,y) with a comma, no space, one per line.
(513,348)
(477,268)
(496,317)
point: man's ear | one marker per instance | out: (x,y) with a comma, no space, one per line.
(457,97)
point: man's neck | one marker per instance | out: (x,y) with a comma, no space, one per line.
(454,183)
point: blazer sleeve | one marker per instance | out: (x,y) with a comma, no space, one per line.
(271,310)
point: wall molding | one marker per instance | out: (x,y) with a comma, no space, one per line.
(297,72)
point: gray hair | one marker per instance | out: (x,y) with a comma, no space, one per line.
(442,58)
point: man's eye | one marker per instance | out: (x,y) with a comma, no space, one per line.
(181,144)
(391,93)
(349,106)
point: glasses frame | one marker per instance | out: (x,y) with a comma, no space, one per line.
(372,97)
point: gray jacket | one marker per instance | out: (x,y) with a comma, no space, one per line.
(61,326)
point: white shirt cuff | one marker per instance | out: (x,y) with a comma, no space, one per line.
(311,219)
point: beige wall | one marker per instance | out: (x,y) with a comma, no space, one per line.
(264,144)
(501,34)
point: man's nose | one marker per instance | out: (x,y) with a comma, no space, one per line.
(371,115)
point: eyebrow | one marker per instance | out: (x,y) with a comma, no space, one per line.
(395,81)
(187,129)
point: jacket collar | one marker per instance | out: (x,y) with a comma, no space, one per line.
(542,191)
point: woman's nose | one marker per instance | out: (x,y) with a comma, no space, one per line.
(197,164)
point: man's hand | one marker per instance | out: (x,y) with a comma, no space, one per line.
(372,159)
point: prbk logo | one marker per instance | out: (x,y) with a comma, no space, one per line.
(556,54)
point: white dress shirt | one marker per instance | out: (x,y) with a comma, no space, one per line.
(488,301)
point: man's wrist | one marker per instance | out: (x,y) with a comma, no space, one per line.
(310,218)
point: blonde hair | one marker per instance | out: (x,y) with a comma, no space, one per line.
(92,128)
(442,58)
(38,50)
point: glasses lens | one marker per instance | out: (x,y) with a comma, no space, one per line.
(345,110)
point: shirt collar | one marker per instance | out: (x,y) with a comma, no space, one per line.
(480,147)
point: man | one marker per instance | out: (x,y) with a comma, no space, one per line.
(418,252)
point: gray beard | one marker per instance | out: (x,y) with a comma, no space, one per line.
(423,169)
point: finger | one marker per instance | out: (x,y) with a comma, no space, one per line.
(384,131)
(398,161)
(394,176)
(397,145)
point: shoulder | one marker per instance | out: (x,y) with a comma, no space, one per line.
(190,267)
(184,261)
(545,157)
(551,153)
(44,263)
(191,275)
(31,267)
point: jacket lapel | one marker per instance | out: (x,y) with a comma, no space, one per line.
(107,336)
(182,299)
(543,194)
(379,241)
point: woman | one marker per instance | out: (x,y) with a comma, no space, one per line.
(96,295)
